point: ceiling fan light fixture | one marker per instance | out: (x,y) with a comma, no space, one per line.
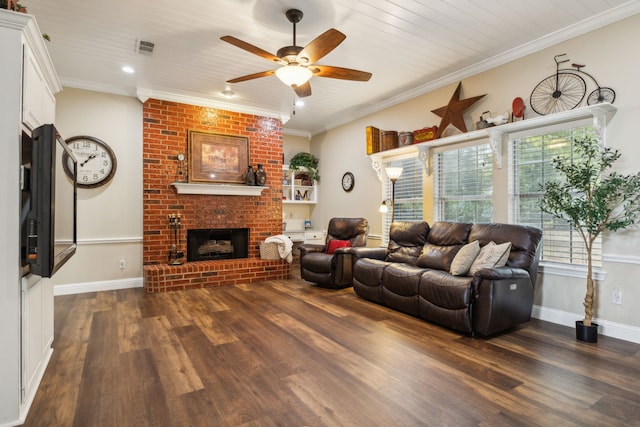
(293,75)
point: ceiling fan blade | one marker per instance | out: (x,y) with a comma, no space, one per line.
(252,49)
(320,46)
(252,76)
(303,90)
(340,73)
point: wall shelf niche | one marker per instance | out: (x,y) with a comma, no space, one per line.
(293,192)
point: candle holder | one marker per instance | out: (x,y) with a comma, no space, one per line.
(175,256)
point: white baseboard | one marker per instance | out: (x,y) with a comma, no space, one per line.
(607,328)
(107,285)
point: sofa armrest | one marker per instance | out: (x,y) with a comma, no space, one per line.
(503,299)
(375,253)
(342,267)
(307,248)
(500,273)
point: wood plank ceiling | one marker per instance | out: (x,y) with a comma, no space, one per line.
(408,45)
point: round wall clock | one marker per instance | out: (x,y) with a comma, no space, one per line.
(348,181)
(96,161)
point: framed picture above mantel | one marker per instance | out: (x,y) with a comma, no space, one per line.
(217,158)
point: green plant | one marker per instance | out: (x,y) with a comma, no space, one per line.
(591,200)
(307,161)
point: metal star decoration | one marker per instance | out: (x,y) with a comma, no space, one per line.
(452,113)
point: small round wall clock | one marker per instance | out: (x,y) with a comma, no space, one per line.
(348,181)
(96,161)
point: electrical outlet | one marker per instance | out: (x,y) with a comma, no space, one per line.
(616,297)
(123,264)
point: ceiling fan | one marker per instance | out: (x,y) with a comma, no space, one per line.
(298,63)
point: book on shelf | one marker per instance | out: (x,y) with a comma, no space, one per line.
(373,139)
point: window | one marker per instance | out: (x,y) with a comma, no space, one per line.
(530,168)
(408,198)
(463,184)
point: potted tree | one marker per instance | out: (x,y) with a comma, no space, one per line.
(305,162)
(592,199)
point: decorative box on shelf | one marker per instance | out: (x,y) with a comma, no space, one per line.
(424,134)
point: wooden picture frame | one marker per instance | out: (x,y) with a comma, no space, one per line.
(217,158)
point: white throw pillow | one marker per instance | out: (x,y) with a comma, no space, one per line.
(464,258)
(491,255)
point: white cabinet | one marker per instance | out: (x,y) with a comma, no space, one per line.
(37,331)
(26,305)
(315,237)
(38,102)
(297,187)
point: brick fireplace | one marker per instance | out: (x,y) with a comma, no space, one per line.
(166,125)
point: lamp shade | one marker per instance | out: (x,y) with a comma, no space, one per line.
(383,207)
(293,75)
(393,172)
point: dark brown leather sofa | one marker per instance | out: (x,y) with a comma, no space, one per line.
(333,270)
(412,275)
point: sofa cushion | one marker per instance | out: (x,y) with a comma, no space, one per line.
(464,258)
(443,243)
(446,291)
(491,255)
(406,239)
(335,244)
(437,257)
(449,233)
(367,278)
(525,243)
(400,287)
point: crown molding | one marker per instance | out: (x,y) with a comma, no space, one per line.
(623,11)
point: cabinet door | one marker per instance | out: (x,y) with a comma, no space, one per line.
(38,102)
(37,331)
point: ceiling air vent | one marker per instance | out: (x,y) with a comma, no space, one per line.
(145,48)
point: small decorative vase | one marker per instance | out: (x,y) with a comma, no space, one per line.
(251,176)
(586,333)
(261,175)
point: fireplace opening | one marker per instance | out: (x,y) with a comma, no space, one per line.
(217,243)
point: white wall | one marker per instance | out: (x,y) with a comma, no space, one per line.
(109,217)
(607,53)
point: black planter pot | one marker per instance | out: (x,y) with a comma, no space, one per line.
(586,333)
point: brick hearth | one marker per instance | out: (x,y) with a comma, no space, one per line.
(166,126)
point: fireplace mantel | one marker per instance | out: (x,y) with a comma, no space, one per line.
(219,189)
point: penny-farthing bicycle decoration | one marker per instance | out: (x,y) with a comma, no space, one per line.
(566,89)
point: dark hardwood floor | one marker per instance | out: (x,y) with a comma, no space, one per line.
(287,353)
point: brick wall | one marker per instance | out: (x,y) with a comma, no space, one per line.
(166,125)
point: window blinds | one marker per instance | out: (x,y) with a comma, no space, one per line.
(463,186)
(530,167)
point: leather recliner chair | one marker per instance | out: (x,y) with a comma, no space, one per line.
(330,265)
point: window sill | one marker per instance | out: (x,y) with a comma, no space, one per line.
(570,270)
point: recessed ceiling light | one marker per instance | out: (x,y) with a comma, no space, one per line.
(227,93)
(299,103)
(128,69)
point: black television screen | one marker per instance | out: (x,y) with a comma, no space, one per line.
(52,199)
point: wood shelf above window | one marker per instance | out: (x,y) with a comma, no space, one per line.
(219,189)
(600,113)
